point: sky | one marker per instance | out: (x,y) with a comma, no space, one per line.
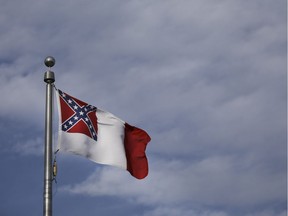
(206,79)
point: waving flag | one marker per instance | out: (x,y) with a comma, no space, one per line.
(100,136)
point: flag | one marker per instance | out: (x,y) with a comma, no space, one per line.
(101,136)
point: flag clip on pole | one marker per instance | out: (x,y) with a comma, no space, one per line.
(49,78)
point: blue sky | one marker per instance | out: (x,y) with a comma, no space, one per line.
(206,79)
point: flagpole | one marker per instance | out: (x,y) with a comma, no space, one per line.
(49,78)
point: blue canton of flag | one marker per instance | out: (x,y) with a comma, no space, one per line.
(80,113)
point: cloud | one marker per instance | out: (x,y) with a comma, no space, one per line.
(206,80)
(168,211)
(151,47)
(30,147)
(213,182)
(268,213)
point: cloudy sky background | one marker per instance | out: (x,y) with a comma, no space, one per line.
(206,79)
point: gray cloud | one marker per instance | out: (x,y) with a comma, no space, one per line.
(206,80)
(215,181)
(210,183)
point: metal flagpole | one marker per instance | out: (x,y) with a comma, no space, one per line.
(49,78)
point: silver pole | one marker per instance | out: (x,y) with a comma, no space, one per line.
(49,78)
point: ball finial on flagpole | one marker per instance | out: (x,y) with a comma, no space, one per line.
(49,76)
(49,61)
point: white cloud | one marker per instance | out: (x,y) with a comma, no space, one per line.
(211,182)
(169,211)
(30,147)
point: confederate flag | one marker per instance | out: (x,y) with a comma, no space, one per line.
(100,136)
